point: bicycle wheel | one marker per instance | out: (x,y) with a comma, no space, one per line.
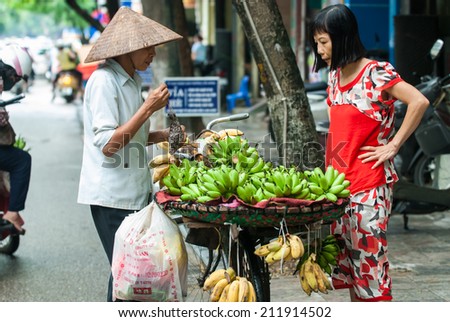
(247,264)
(203,261)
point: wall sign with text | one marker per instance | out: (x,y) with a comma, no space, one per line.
(194,96)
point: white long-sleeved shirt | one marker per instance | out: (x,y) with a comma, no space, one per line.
(122,181)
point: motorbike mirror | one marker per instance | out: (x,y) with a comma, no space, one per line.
(436,49)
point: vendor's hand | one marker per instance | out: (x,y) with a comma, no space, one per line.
(379,154)
(157,99)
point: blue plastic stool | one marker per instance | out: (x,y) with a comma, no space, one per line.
(241,95)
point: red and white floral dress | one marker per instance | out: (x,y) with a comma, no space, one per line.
(360,116)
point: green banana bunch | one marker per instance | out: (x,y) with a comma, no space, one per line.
(224,150)
(327,251)
(209,186)
(244,162)
(285,182)
(326,257)
(247,193)
(173,181)
(20,143)
(330,185)
(216,182)
(182,175)
(190,192)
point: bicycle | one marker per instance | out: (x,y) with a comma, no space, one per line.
(216,250)
(227,237)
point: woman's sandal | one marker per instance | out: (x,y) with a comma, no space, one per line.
(15,231)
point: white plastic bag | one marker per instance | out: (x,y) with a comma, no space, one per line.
(149,258)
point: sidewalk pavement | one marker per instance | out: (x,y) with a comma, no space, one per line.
(419,257)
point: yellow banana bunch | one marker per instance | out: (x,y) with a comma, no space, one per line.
(159,159)
(218,275)
(312,278)
(160,172)
(164,146)
(208,134)
(330,185)
(225,286)
(240,290)
(281,249)
(229,132)
(218,289)
(160,165)
(297,247)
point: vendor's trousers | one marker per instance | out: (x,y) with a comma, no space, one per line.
(107,221)
(18,163)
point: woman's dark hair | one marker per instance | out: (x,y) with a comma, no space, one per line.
(339,22)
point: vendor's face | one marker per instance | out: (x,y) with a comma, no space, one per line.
(324,46)
(142,58)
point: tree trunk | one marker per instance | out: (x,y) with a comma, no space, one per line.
(193,124)
(113,6)
(84,14)
(166,63)
(181,27)
(172,58)
(292,120)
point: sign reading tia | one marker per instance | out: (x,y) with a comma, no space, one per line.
(194,96)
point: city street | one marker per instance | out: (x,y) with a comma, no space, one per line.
(60,258)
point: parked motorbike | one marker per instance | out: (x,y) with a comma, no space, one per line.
(417,192)
(415,159)
(67,86)
(9,239)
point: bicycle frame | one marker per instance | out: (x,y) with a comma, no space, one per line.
(229,245)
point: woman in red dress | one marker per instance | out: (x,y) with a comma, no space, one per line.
(362,144)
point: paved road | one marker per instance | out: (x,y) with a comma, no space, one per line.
(60,257)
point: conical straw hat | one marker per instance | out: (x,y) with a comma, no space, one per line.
(129,31)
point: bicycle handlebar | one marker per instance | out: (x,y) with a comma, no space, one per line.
(13,100)
(444,80)
(235,117)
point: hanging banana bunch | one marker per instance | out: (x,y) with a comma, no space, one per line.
(225,286)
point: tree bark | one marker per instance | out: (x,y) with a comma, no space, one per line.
(193,124)
(292,120)
(181,27)
(171,59)
(85,15)
(113,7)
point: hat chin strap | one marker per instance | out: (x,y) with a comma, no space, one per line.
(127,63)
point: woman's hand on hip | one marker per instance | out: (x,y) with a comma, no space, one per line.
(379,154)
